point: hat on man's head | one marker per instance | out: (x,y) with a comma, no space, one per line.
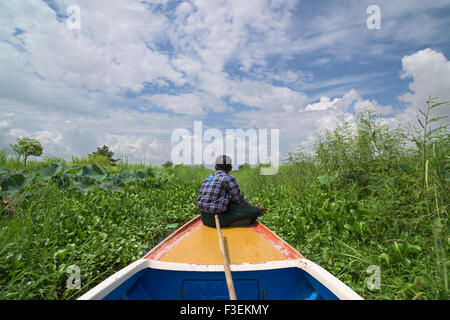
(223,160)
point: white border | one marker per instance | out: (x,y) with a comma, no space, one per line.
(336,286)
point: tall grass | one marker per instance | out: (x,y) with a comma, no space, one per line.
(13,163)
(388,206)
(86,160)
(125,163)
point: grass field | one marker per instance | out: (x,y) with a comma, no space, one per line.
(370,195)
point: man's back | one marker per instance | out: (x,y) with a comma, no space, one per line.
(217,190)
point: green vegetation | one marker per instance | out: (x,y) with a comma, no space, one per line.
(167,164)
(104,152)
(369,195)
(26,147)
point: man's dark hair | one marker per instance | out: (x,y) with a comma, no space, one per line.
(223,162)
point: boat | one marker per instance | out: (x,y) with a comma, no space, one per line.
(188,265)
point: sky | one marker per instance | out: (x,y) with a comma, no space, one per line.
(128,73)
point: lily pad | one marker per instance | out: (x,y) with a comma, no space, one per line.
(113,185)
(125,176)
(64,181)
(93,172)
(49,171)
(85,185)
(13,184)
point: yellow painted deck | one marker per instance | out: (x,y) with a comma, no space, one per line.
(201,246)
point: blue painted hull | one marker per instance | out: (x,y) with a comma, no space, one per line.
(276,284)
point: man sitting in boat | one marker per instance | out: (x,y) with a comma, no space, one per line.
(220,194)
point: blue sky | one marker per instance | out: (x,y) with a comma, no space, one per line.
(135,71)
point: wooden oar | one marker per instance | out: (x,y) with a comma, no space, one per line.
(226,263)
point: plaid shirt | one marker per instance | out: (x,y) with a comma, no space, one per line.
(216,190)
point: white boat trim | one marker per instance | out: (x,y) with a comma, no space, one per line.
(111,283)
(341,290)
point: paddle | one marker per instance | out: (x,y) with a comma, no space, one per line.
(226,263)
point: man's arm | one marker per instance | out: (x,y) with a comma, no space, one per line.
(234,192)
(232,188)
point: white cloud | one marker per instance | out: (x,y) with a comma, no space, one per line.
(189,104)
(135,133)
(48,64)
(430,74)
(207,34)
(183,10)
(303,127)
(53,143)
(266,96)
(324,104)
(350,98)
(290,76)
(295,127)
(373,105)
(46,136)
(135,147)
(4,124)
(339,30)
(75,89)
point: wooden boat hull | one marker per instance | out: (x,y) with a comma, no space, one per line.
(188,266)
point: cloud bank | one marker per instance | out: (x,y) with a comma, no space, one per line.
(137,70)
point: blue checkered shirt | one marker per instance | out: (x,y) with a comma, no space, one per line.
(216,190)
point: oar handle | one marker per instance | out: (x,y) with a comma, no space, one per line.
(226,263)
